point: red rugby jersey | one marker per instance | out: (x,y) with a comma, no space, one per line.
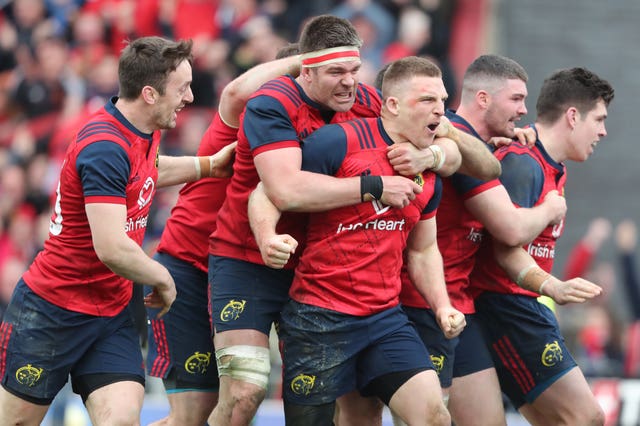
(459,235)
(277,116)
(488,275)
(354,254)
(193,218)
(67,272)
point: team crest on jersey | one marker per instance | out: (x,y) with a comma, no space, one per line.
(146,193)
(198,363)
(158,157)
(302,384)
(438,362)
(232,310)
(28,375)
(419,180)
(552,354)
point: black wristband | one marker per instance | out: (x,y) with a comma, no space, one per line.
(370,185)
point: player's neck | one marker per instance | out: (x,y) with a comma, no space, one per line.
(476,122)
(135,113)
(554,140)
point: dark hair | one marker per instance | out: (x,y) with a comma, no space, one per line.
(405,68)
(288,50)
(148,61)
(576,87)
(377,83)
(327,31)
(496,66)
(489,72)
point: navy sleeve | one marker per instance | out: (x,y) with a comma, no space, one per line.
(464,183)
(523,179)
(266,121)
(104,169)
(324,150)
(434,202)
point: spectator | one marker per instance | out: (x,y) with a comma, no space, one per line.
(600,351)
(581,257)
(626,242)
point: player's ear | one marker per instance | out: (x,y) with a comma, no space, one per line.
(305,72)
(149,94)
(483,98)
(572,116)
(392,104)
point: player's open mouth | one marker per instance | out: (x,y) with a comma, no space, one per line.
(432,127)
(343,96)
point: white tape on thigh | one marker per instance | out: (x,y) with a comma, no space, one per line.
(246,363)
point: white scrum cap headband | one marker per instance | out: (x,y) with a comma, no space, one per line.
(330,56)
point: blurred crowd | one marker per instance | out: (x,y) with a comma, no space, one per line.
(58,63)
(604,334)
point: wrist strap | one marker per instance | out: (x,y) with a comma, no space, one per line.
(371,185)
(198,168)
(438,157)
(542,286)
(533,278)
(204,166)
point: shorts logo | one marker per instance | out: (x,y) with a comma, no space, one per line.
(28,375)
(438,362)
(302,384)
(552,354)
(198,363)
(419,180)
(232,310)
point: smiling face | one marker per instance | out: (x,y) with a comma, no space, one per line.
(334,85)
(176,95)
(420,106)
(589,129)
(506,106)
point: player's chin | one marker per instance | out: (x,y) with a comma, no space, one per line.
(509,131)
(584,157)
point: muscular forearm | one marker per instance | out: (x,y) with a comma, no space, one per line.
(179,170)
(313,192)
(505,222)
(117,251)
(529,223)
(263,215)
(522,269)
(452,157)
(477,160)
(426,273)
(176,170)
(235,94)
(512,259)
(127,259)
